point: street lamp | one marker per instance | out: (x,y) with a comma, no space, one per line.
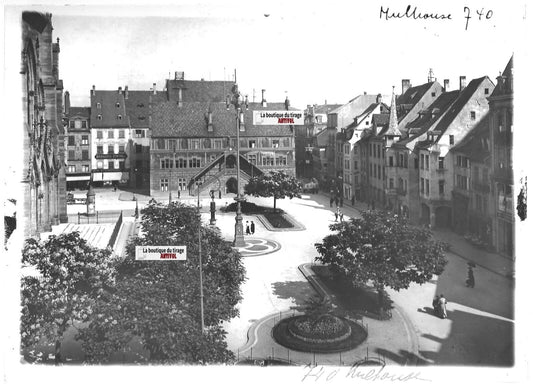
(239,103)
(198,184)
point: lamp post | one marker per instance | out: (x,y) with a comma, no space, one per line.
(198,184)
(240,104)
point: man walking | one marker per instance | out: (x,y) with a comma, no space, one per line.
(442,305)
(252,227)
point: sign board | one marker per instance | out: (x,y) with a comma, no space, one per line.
(278,117)
(160,253)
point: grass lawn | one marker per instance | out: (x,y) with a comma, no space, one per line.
(362,301)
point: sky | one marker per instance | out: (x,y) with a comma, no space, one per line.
(310,51)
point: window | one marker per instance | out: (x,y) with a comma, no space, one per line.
(452,140)
(182,184)
(486,90)
(427,161)
(181,163)
(346,149)
(281,160)
(99,134)
(117,104)
(391,183)
(84,124)
(121,133)
(472,116)
(110,134)
(98,105)
(441,187)
(167,163)
(84,140)
(85,154)
(286,142)
(111,164)
(71,124)
(71,141)
(85,168)
(121,149)
(355,165)
(194,163)
(119,117)
(422,186)
(71,155)
(138,148)
(252,159)
(139,133)
(251,143)
(402,161)
(195,144)
(164,184)
(421,161)
(72,168)
(346,164)
(379,151)
(379,173)
(416,163)
(391,161)
(427,186)
(161,143)
(99,117)
(441,162)
(110,149)
(217,144)
(121,165)
(99,149)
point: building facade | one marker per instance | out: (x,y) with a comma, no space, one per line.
(43,178)
(77,145)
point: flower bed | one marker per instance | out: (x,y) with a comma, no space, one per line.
(327,334)
(277,220)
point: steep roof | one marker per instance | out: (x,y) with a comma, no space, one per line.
(429,116)
(475,143)
(111,106)
(75,111)
(198,91)
(359,104)
(505,85)
(324,109)
(458,104)
(138,107)
(392,127)
(190,120)
(36,20)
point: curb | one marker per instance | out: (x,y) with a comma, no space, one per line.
(297,225)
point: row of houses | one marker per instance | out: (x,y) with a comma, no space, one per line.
(437,156)
(160,141)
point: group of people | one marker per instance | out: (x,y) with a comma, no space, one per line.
(339,215)
(439,306)
(250,228)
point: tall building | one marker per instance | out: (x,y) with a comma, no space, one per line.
(501,135)
(43,179)
(78,145)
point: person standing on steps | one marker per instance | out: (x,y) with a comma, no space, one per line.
(252,227)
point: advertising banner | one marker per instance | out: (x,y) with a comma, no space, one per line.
(160,253)
(278,117)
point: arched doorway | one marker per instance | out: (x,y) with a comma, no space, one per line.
(231,185)
(443,216)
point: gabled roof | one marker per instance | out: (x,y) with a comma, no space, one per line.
(458,104)
(75,111)
(108,100)
(504,86)
(190,120)
(413,94)
(380,119)
(138,107)
(359,104)
(198,91)
(427,117)
(324,109)
(475,143)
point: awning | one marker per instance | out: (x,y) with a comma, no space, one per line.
(78,178)
(103,176)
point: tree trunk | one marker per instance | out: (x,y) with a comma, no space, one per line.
(57,352)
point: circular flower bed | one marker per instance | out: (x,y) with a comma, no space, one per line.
(327,333)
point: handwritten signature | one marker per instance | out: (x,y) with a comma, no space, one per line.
(369,374)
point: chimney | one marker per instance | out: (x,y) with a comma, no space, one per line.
(446,85)
(126,92)
(263,99)
(462,82)
(153,88)
(406,84)
(93,91)
(67,103)
(179,75)
(378,99)
(287,103)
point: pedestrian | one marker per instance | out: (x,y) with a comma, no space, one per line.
(247,228)
(337,215)
(436,305)
(470,281)
(252,227)
(442,306)
(341,215)
(336,201)
(353,200)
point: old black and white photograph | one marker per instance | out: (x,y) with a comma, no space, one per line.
(266,192)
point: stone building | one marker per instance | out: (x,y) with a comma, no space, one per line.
(43,177)
(501,135)
(78,145)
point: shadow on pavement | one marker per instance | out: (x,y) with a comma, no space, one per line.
(297,290)
(403,358)
(474,340)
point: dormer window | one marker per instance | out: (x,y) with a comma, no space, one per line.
(119,117)
(117,104)
(100,117)
(98,105)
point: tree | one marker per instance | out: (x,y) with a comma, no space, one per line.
(384,250)
(73,278)
(158,303)
(276,183)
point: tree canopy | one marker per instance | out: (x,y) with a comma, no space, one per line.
(383,249)
(158,302)
(73,277)
(275,184)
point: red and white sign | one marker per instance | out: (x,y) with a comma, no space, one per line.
(278,117)
(160,253)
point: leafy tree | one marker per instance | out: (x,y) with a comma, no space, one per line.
(73,278)
(276,183)
(384,250)
(158,303)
